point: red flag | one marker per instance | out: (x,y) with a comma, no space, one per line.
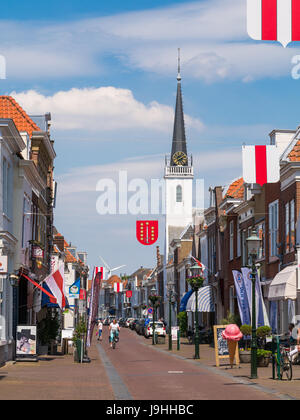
(202,266)
(52,298)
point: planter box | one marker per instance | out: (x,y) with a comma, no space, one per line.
(245,356)
(263,361)
(160,339)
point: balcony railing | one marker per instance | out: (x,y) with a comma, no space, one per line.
(184,171)
(179,171)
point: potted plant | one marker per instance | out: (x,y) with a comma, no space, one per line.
(47,331)
(263,357)
(78,338)
(183,323)
(262,333)
(245,352)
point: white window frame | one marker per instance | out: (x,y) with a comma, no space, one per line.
(231,240)
(273,227)
(178,194)
(239,240)
(287,230)
(292,226)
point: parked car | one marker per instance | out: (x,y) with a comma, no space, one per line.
(160,329)
(132,324)
(139,326)
(127,322)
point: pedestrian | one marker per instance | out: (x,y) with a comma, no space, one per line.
(293,354)
(100,328)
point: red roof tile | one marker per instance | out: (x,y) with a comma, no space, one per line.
(10,109)
(294,155)
(236,189)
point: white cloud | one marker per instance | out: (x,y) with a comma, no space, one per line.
(211,33)
(103,109)
(206,164)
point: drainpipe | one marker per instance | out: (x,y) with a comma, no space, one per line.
(298,280)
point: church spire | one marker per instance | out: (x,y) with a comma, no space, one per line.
(179,140)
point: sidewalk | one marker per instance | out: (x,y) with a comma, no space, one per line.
(207,358)
(56,378)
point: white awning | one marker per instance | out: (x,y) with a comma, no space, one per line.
(284,284)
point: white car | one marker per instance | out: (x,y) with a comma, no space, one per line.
(127,322)
(160,329)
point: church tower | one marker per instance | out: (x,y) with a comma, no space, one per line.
(178,177)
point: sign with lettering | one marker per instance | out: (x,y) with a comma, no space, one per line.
(221,347)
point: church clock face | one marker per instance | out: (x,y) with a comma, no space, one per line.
(180,158)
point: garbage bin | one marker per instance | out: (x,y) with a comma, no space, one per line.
(78,351)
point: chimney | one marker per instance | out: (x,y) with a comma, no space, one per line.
(158,256)
(59,241)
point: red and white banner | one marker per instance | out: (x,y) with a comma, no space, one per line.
(261,164)
(99,270)
(93,303)
(118,287)
(56,283)
(274,20)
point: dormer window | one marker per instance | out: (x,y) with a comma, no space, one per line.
(178,194)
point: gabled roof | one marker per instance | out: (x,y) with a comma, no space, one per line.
(236,189)
(10,109)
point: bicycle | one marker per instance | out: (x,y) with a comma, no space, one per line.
(114,339)
(284,363)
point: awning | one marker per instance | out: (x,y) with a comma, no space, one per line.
(284,284)
(184,301)
(205,301)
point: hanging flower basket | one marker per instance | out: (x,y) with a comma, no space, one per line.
(195,281)
(154,299)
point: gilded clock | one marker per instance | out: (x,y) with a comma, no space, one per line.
(180,158)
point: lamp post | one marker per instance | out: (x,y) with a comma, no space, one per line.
(196,281)
(153,299)
(171,295)
(14,280)
(253,243)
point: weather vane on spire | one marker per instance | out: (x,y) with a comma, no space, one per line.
(178,76)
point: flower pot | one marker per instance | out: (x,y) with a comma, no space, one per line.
(245,356)
(263,361)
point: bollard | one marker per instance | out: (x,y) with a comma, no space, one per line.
(178,340)
(273,358)
(278,358)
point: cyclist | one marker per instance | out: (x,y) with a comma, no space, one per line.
(114,329)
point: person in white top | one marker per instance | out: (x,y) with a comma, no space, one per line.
(100,328)
(114,328)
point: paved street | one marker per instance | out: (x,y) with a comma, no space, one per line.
(136,370)
(151,374)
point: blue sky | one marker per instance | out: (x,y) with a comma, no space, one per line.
(107,73)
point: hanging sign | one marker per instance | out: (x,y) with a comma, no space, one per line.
(3,263)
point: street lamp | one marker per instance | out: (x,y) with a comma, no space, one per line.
(14,280)
(171,295)
(154,300)
(253,244)
(196,281)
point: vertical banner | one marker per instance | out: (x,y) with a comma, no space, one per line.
(242,298)
(93,305)
(261,315)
